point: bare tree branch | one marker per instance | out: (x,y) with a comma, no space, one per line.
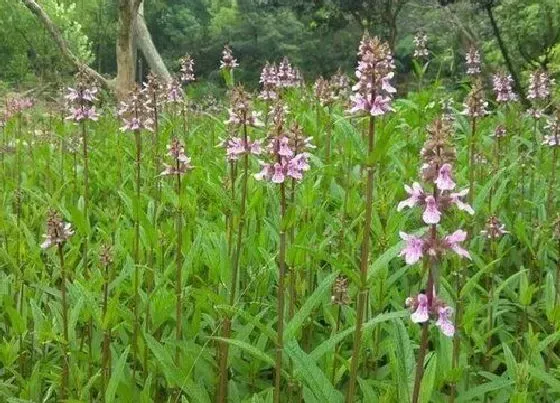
(146,45)
(55,33)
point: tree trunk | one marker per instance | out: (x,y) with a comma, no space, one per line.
(126,60)
(132,33)
(506,56)
(146,45)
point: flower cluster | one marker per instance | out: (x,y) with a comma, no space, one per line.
(269,82)
(286,151)
(174,92)
(447,109)
(494,228)
(80,100)
(438,155)
(105,255)
(228,62)
(240,114)
(136,112)
(539,85)
(539,91)
(420,41)
(422,310)
(502,87)
(500,131)
(475,106)
(187,69)
(340,291)
(288,76)
(58,231)
(553,127)
(16,105)
(373,91)
(153,89)
(322,91)
(340,85)
(181,163)
(472,61)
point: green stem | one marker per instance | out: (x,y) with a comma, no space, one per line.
(222,395)
(471,160)
(179,269)
(65,357)
(552,178)
(106,337)
(364,255)
(280,296)
(138,140)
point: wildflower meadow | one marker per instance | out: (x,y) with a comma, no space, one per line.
(362,236)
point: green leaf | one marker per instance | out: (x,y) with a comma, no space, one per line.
(248,348)
(427,385)
(510,361)
(315,299)
(173,374)
(384,259)
(480,391)
(116,376)
(328,346)
(309,374)
(546,377)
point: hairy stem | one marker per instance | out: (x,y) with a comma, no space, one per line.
(552,177)
(280,296)
(179,269)
(364,255)
(65,357)
(471,160)
(222,395)
(106,337)
(138,140)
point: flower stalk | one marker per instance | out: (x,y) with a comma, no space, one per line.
(373,97)
(242,117)
(58,232)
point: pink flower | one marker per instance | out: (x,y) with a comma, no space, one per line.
(443,322)
(421,313)
(359,103)
(386,83)
(278,176)
(284,148)
(256,147)
(431,214)
(456,198)
(380,106)
(265,173)
(414,248)
(234,148)
(452,242)
(444,180)
(416,193)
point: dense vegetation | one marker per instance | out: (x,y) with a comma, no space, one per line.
(235,234)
